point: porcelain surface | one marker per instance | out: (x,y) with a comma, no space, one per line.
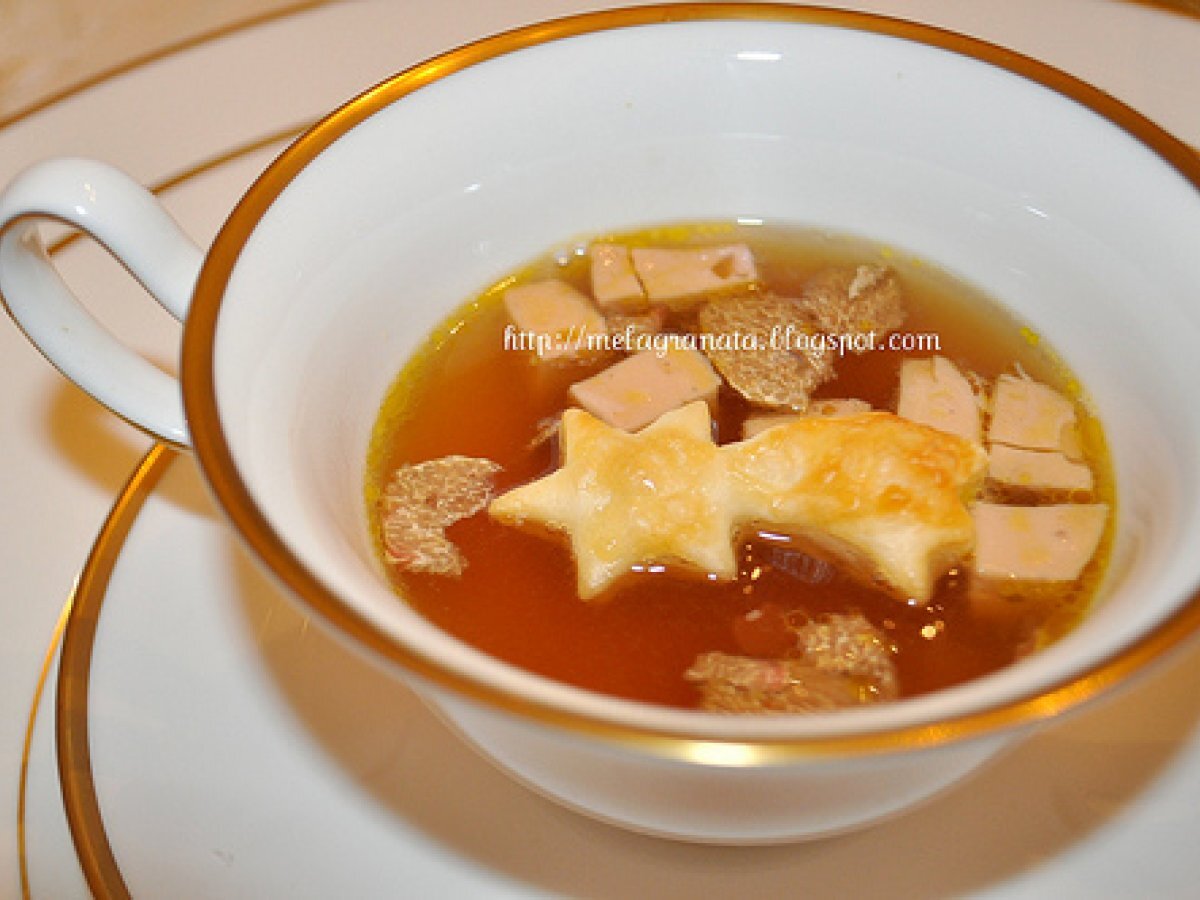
(1130,801)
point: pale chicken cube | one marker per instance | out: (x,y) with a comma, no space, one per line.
(837,406)
(1027,413)
(554,320)
(640,388)
(615,286)
(677,274)
(1036,543)
(1038,470)
(934,392)
(755,425)
(633,331)
(850,406)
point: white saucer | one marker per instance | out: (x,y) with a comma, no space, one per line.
(1116,825)
(237,749)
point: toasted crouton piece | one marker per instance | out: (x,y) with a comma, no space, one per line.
(745,684)
(640,388)
(758,365)
(935,393)
(615,286)
(679,274)
(850,645)
(1028,414)
(562,322)
(1036,543)
(856,301)
(843,661)
(1038,470)
(421,500)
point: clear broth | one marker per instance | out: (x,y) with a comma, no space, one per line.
(463,393)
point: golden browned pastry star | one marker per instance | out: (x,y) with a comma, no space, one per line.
(624,500)
(884,495)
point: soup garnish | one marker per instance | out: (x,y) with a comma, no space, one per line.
(702,465)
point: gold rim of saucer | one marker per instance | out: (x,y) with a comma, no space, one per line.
(232,494)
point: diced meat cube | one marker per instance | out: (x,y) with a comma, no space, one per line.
(1027,413)
(677,274)
(758,424)
(1003,603)
(856,301)
(1036,543)
(1038,470)
(631,331)
(615,286)
(850,406)
(1072,443)
(556,319)
(935,393)
(640,388)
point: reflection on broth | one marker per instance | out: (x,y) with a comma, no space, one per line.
(745,469)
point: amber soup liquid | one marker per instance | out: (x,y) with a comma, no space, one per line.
(464,393)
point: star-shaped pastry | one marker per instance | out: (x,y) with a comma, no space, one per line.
(660,495)
(884,495)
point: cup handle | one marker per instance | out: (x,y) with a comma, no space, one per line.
(134,227)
